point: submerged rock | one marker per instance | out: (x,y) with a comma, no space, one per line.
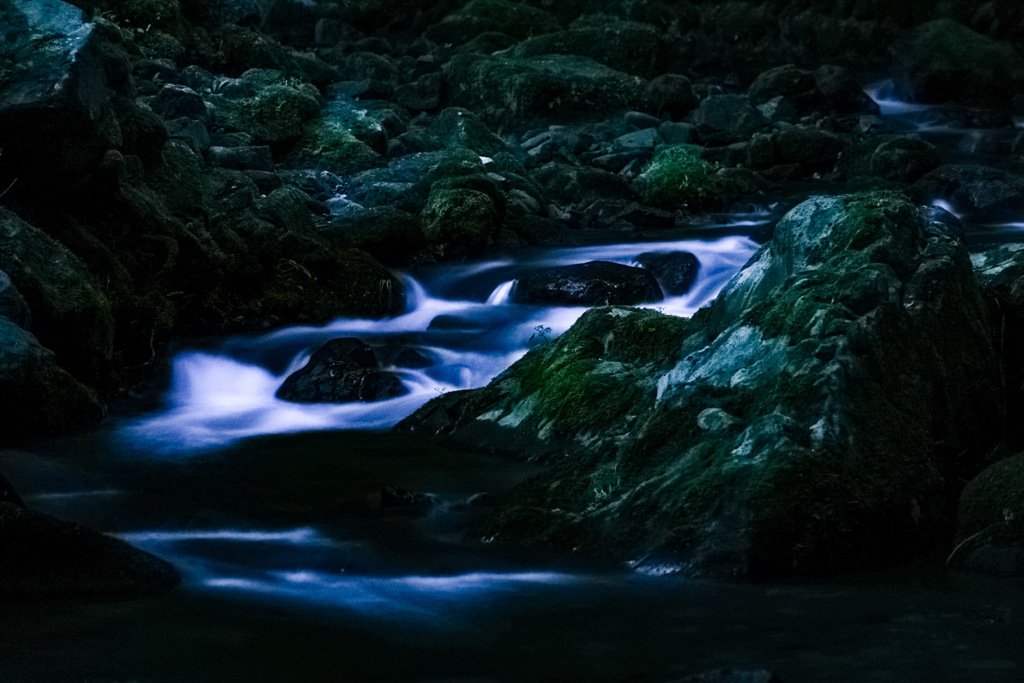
(341,371)
(586,284)
(44,557)
(852,380)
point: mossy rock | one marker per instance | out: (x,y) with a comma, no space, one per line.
(502,90)
(458,221)
(478,16)
(990,521)
(813,419)
(332,146)
(677,177)
(626,46)
(276,113)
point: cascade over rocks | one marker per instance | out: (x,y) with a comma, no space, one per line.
(586,284)
(341,371)
(781,429)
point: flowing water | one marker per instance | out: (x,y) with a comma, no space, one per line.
(294,568)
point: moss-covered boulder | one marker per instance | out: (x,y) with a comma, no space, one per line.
(677,177)
(990,521)
(458,221)
(944,61)
(627,46)
(503,89)
(818,416)
(275,114)
(516,19)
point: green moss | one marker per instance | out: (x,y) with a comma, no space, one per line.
(145,14)
(332,145)
(276,113)
(677,176)
(458,221)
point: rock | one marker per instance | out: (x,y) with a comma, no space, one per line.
(411,358)
(677,177)
(990,521)
(722,119)
(670,94)
(675,271)
(252,158)
(814,150)
(854,351)
(586,284)
(53,94)
(458,221)
(904,159)
(36,395)
(423,94)
(70,313)
(44,558)
(12,303)
(678,133)
(944,61)
(392,236)
(479,16)
(341,371)
(175,101)
(981,191)
(502,89)
(627,46)
(193,133)
(275,114)
(459,128)
(393,498)
(842,91)
(796,85)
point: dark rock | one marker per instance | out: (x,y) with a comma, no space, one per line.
(459,128)
(842,91)
(678,133)
(978,190)
(479,16)
(175,101)
(796,85)
(393,498)
(12,303)
(44,557)
(70,313)
(53,94)
(256,158)
(424,94)
(727,118)
(411,358)
(341,371)
(670,94)
(627,46)
(193,133)
(8,495)
(675,272)
(990,521)
(586,284)
(392,236)
(944,61)
(904,159)
(814,150)
(503,89)
(840,448)
(36,395)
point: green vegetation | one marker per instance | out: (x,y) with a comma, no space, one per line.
(677,176)
(332,145)
(277,112)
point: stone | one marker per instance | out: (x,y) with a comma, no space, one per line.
(423,94)
(458,221)
(904,159)
(981,191)
(944,61)
(479,16)
(853,350)
(990,521)
(252,158)
(627,46)
(392,236)
(586,284)
(726,118)
(176,101)
(675,271)
(341,371)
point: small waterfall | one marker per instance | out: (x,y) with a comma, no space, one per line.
(501,293)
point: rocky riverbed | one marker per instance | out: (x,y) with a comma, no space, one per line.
(741,279)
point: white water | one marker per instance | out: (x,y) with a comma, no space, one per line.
(459,316)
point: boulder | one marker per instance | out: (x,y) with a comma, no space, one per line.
(944,61)
(36,395)
(462,129)
(723,119)
(990,521)
(458,221)
(70,313)
(586,284)
(341,371)
(675,271)
(479,16)
(503,89)
(43,558)
(627,46)
(851,382)
(904,158)
(53,94)
(392,236)
(981,191)
(670,94)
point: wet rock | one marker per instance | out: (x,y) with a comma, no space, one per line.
(675,272)
(503,89)
(812,149)
(671,95)
(944,61)
(423,94)
(411,358)
(981,191)
(841,91)
(796,85)
(36,395)
(586,284)
(905,159)
(341,371)
(42,558)
(460,128)
(392,236)
(394,498)
(175,101)
(836,461)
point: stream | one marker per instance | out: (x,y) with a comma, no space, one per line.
(293,568)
